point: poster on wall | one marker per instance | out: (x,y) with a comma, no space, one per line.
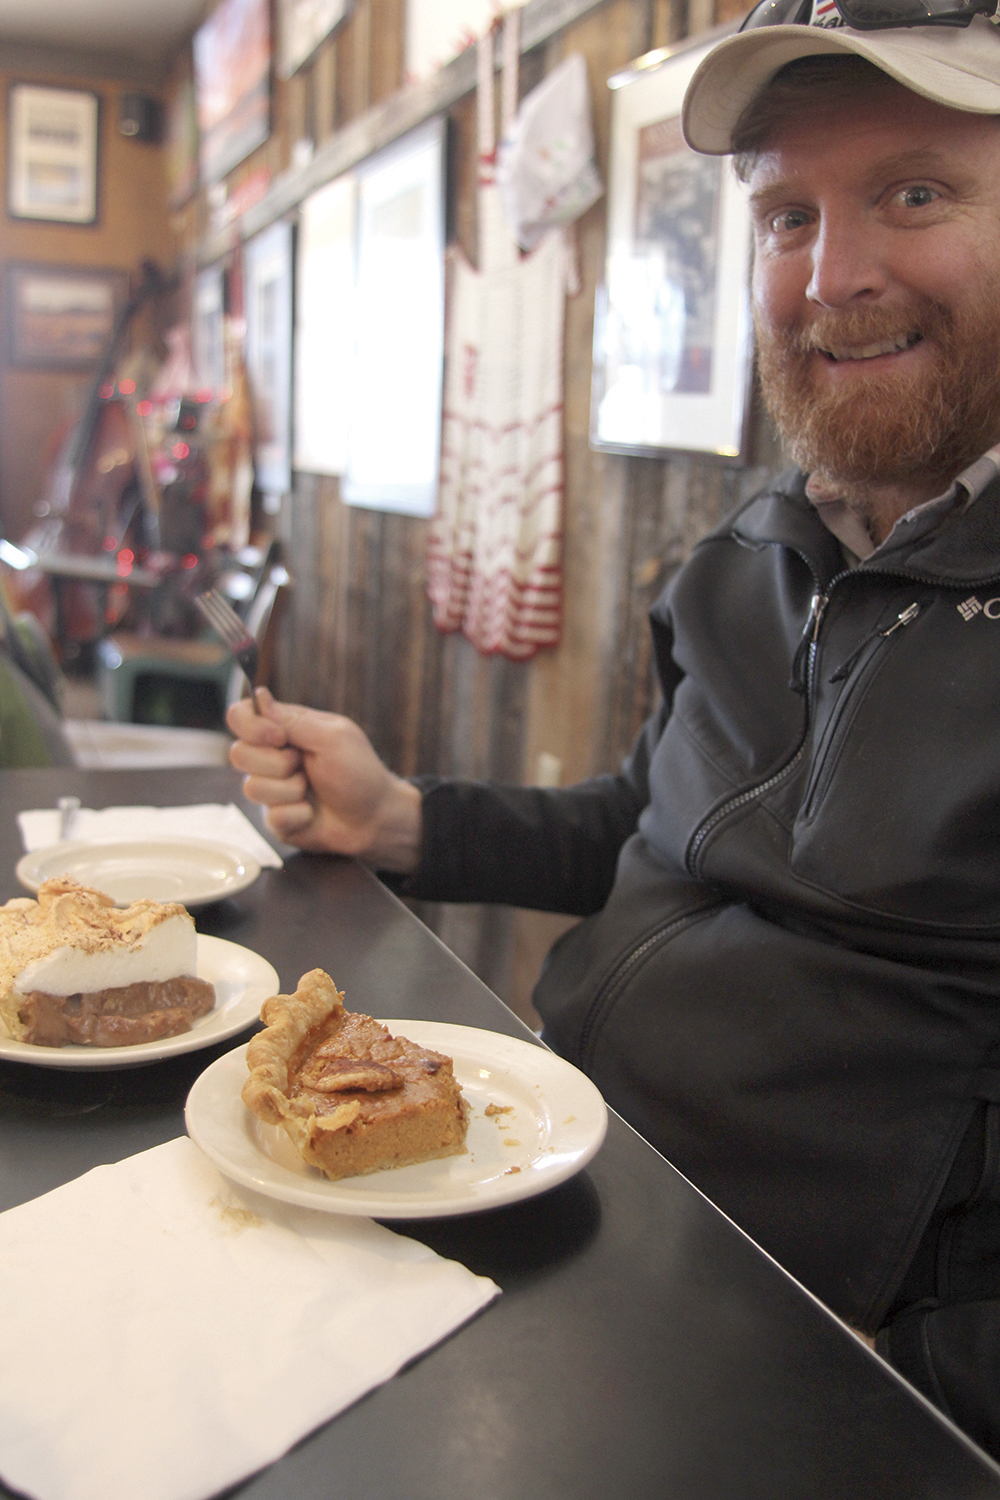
(438,30)
(324,327)
(302,25)
(394,428)
(267,295)
(672,340)
(52,153)
(61,317)
(232,69)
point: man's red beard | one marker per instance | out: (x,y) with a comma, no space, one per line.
(888,428)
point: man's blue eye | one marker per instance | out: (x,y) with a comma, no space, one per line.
(917,197)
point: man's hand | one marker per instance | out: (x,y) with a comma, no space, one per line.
(324,787)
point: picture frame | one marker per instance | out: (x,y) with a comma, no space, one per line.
(397,367)
(61,317)
(672,329)
(267,300)
(302,26)
(53,137)
(325,297)
(232,71)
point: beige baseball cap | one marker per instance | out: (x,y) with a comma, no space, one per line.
(956,66)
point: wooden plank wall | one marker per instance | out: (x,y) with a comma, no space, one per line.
(359,638)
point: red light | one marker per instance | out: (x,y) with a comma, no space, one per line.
(107,391)
(126,555)
(145,408)
(203,396)
(123,568)
(180,450)
(110,615)
(189,560)
(207,542)
(189,423)
(127,387)
(110,543)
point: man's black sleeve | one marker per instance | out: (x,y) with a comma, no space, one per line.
(552,849)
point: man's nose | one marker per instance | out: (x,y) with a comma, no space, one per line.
(846,264)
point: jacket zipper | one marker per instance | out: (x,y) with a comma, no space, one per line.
(802,682)
(825,758)
(806,654)
(622,972)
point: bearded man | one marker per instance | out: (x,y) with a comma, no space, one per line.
(788,972)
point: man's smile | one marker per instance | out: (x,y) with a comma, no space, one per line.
(836,354)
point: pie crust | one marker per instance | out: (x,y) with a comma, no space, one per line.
(352,1098)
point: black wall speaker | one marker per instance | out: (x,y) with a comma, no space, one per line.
(139,117)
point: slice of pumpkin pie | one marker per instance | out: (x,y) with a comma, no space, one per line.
(352,1098)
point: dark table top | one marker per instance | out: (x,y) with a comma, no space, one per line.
(643,1346)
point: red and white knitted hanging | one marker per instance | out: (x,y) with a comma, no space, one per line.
(494,552)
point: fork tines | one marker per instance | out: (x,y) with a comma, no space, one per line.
(226,623)
(224,620)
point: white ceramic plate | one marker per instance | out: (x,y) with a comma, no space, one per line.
(192,871)
(556,1121)
(243,981)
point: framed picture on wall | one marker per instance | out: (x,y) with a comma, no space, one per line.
(61,317)
(672,333)
(52,152)
(302,25)
(394,412)
(232,70)
(324,326)
(267,295)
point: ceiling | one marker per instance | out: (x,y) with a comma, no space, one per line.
(145,31)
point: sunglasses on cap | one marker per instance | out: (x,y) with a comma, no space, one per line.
(873,15)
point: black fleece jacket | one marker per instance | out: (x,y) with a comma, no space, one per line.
(788,975)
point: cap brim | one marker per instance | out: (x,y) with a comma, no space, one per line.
(950,65)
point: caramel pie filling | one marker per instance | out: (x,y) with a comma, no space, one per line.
(353,1098)
(117,1017)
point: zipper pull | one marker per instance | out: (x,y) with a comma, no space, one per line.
(904,617)
(810,631)
(819,603)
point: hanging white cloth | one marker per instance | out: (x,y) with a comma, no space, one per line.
(494,552)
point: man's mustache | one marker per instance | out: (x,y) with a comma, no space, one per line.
(862,327)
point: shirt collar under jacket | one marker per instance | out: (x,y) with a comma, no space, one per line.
(857,545)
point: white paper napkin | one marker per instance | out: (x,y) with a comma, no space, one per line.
(165,1334)
(223,823)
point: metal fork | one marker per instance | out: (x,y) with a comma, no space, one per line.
(226,622)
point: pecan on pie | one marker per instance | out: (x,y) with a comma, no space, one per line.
(352,1098)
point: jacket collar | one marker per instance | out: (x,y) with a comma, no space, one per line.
(964,551)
